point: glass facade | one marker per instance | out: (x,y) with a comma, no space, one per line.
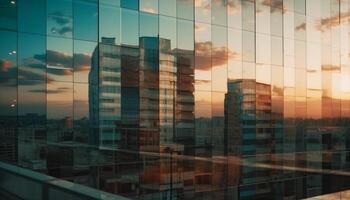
(179,99)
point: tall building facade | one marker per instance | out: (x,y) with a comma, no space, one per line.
(179,99)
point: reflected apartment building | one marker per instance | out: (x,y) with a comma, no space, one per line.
(177,99)
(152,117)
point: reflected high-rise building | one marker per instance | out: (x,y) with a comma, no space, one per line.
(251,136)
(105,94)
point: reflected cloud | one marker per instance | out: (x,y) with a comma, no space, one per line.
(200,27)
(328,22)
(330,68)
(62,31)
(275,6)
(64,23)
(301,27)
(332,21)
(203,4)
(5,65)
(82,62)
(233,6)
(149,10)
(60,18)
(277,90)
(27,74)
(204,52)
(54,58)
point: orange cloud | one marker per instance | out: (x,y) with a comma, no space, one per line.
(5,65)
(204,53)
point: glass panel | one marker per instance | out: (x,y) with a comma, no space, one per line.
(277,51)
(32,16)
(277,22)
(234,70)
(167,30)
(8,102)
(263,49)
(219,58)
(185,9)
(277,81)
(60,59)
(81,108)
(84,53)
(234,44)
(203,11)
(8,120)
(59,111)
(167,7)
(150,6)
(60,18)
(248,70)
(32,101)
(109,2)
(299,6)
(248,15)
(109,23)
(234,14)
(219,12)
(218,118)
(8,54)
(85,19)
(263,17)
(8,14)
(203,61)
(32,57)
(185,35)
(248,46)
(131,4)
(130,27)
(263,73)
(32,132)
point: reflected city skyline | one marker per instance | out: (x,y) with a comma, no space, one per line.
(179,99)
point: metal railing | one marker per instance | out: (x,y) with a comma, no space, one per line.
(17,183)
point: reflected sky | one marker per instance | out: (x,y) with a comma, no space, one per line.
(155,70)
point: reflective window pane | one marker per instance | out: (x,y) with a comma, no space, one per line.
(203,11)
(8,102)
(185,9)
(59,59)
(32,99)
(83,59)
(59,111)
(32,57)
(167,7)
(109,22)
(150,6)
(8,14)
(203,59)
(130,27)
(85,19)
(60,18)
(219,12)
(8,54)
(130,4)
(32,16)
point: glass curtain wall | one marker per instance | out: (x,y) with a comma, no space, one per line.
(179,99)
